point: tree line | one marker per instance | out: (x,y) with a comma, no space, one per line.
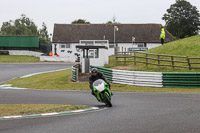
(24,26)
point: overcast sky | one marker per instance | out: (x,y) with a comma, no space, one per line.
(94,11)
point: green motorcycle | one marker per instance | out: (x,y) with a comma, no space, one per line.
(102,92)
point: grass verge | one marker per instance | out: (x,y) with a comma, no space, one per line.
(27,109)
(142,67)
(17,59)
(61,80)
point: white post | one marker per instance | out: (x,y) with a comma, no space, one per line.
(114,35)
(114,43)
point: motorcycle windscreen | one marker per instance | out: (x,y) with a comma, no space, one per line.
(99,85)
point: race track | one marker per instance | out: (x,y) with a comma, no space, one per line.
(131,113)
(12,70)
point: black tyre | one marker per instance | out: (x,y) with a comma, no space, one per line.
(107,100)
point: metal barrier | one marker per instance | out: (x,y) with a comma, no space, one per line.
(151,79)
(183,80)
(75,72)
(107,72)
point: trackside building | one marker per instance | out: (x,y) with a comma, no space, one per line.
(127,37)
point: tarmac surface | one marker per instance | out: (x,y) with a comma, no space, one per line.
(13,70)
(131,112)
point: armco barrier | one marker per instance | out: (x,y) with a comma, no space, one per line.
(75,70)
(187,80)
(151,79)
(107,72)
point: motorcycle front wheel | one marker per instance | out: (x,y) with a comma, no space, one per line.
(107,100)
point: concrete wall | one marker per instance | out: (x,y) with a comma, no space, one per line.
(25,52)
(69,53)
(54,59)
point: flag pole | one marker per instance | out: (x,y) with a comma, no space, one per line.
(114,35)
(114,43)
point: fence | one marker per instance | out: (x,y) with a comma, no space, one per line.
(186,61)
(151,79)
(75,72)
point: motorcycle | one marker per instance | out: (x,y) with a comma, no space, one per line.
(102,92)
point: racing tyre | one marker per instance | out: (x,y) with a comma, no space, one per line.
(107,100)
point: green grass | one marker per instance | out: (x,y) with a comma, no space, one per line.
(142,67)
(61,80)
(28,109)
(17,59)
(185,47)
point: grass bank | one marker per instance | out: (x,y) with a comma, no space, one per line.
(17,59)
(142,67)
(61,80)
(184,47)
(28,109)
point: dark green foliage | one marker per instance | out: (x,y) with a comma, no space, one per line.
(80,21)
(109,22)
(20,27)
(43,34)
(182,19)
(24,27)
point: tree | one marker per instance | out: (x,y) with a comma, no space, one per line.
(80,21)
(43,34)
(21,26)
(24,27)
(182,19)
(109,22)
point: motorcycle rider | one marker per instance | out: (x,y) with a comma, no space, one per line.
(95,75)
